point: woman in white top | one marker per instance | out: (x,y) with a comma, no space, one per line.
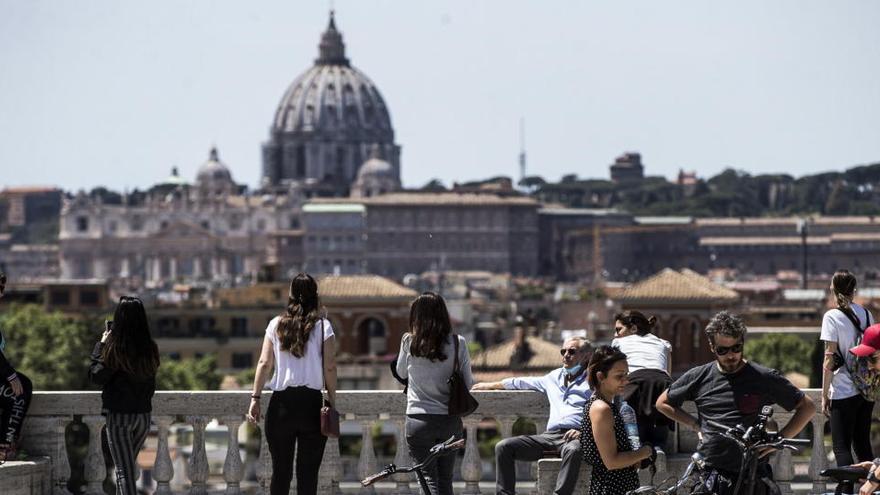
(850,413)
(426,359)
(649,359)
(301,347)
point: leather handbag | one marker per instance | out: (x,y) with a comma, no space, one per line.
(461,402)
(329,415)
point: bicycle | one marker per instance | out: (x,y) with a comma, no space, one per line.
(438,450)
(853,474)
(752,441)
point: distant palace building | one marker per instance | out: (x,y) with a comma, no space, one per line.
(210,230)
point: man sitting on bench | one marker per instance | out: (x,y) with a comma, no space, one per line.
(567,391)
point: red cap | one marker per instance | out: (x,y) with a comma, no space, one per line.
(870,342)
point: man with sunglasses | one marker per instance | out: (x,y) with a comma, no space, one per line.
(731,390)
(567,391)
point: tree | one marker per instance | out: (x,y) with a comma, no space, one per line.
(782,352)
(52,349)
(189,374)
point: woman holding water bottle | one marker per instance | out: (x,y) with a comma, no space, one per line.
(604,439)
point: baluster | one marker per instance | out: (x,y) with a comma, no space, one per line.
(471,470)
(94,469)
(163,470)
(505,423)
(402,457)
(540,427)
(264,466)
(60,462)
(817,458)
(540,424)
(332,465)
(233,469)
(367,461)
(198,463)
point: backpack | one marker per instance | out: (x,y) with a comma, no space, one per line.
(864,377)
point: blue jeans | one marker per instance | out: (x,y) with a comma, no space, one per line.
(423,431)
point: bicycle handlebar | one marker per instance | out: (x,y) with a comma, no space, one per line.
(388,471)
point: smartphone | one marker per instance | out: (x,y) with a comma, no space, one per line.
(108,325)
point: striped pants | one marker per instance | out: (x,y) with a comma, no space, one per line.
(125,436)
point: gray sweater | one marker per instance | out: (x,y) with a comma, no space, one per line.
(428,391)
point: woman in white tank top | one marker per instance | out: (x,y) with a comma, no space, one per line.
(649,361)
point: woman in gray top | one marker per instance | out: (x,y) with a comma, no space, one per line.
(426,359)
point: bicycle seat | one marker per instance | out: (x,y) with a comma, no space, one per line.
(845,473)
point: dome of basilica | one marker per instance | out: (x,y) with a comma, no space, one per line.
(213,170)
(332,96)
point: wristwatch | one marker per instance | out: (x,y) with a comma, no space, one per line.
(872,474)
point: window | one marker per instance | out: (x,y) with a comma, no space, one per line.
(137,223)
(89,297)
(174,356)
(300,162)
(59,297)
(82,224)
(242,360)
(239,326)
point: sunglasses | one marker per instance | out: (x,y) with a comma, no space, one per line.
(736,349)
(568,352)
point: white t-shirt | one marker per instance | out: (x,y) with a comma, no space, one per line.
(291,371)
(836,327)
(644,351)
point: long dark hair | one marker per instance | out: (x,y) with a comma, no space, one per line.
(303,312)
(603,360)
(130,347)
(642,323)
(843,286)
(430,325)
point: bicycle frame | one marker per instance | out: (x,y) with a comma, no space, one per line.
(438,450)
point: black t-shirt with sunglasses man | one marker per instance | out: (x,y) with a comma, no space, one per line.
(730,396)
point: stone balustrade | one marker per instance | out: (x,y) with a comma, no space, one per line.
(51,412)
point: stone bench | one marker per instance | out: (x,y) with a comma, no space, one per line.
(30,477)
(548,470)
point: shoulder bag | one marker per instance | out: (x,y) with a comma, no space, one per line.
(461,402)
(329,414)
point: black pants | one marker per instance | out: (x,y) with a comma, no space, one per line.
(13,409)
(294,416)
(423,431)
(851,432)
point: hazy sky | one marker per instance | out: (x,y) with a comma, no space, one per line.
(116,92)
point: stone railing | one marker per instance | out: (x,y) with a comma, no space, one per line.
(51,412)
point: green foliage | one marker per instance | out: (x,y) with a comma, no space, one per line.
(731,193)
(52,349)
(189,374)
(783,352)
(474,348)
(245,378)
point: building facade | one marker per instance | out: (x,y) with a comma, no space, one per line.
(211,230)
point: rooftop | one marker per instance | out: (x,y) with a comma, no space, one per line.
(685,285)
(436,198)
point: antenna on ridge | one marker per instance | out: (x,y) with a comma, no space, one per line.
(522,148)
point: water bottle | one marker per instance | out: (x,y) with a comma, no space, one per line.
(631,425)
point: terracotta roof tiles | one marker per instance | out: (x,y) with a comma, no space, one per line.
(671,285)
